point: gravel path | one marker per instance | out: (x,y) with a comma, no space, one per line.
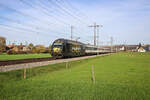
(43,63)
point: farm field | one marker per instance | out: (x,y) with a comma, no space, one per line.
(121,76)
(22,56)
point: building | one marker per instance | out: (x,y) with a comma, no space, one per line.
(147,47)
(141,49)
(132,48)
(2,44)
(122,48)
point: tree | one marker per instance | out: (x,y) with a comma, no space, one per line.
(40,49)
(34,50)
(31,45)
(49,48)
(2,44)
(140,45)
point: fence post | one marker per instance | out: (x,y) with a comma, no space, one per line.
(24,73)
(93,74)
(66,64)
(1,68)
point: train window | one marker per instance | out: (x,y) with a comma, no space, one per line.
(69,47)
(95,48)
(83,47)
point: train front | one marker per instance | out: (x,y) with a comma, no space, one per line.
(57,48)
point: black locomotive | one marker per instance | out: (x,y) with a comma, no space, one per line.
(68,48)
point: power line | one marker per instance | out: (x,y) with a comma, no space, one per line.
(44,11)
(19,13)
(76,10)
(68,12)
(41,7)
(67,9)
(28,25)
(26,15)
(27,30)
(50,5)
(56,3)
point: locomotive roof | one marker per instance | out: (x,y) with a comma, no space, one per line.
(70,41)
(76,42)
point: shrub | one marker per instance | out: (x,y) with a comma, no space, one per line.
(40,49)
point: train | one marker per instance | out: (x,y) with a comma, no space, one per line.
(64,48)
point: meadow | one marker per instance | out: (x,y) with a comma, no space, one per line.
(22,56)
(120,76)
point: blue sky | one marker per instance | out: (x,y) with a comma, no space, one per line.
(43,21)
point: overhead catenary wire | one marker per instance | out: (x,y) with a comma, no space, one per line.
(74,8)
(68,12)
(23,34)
(75,11)
(29,25)
(45,21)
(27,15)
(46,8)
(22,14)
(56,3)
(42,4)
(25,30)
(44,11)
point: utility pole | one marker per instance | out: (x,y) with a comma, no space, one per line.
(77,39)
(95,27)
(37,34)
(111,42)
(26,43)
(98,34)
(71,32)
(94,32)
(9,42)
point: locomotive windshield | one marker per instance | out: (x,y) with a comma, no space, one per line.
(57,44)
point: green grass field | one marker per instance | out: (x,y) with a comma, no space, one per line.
(22,56)
(122,76)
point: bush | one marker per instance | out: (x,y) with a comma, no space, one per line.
(33,50)
(10,52)
(16,52)
(40,49)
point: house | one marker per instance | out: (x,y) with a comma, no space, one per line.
(141,49)
(26,49)
(147,47)
(122,48)
(132,48)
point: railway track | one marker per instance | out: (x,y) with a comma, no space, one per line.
(22,61)
(31,63)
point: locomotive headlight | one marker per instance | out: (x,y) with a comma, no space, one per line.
(56,50)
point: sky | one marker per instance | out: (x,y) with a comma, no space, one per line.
(43,21)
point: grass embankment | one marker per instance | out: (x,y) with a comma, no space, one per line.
(22,56)
(122,76)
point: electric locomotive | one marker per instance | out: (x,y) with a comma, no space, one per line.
(67,48)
